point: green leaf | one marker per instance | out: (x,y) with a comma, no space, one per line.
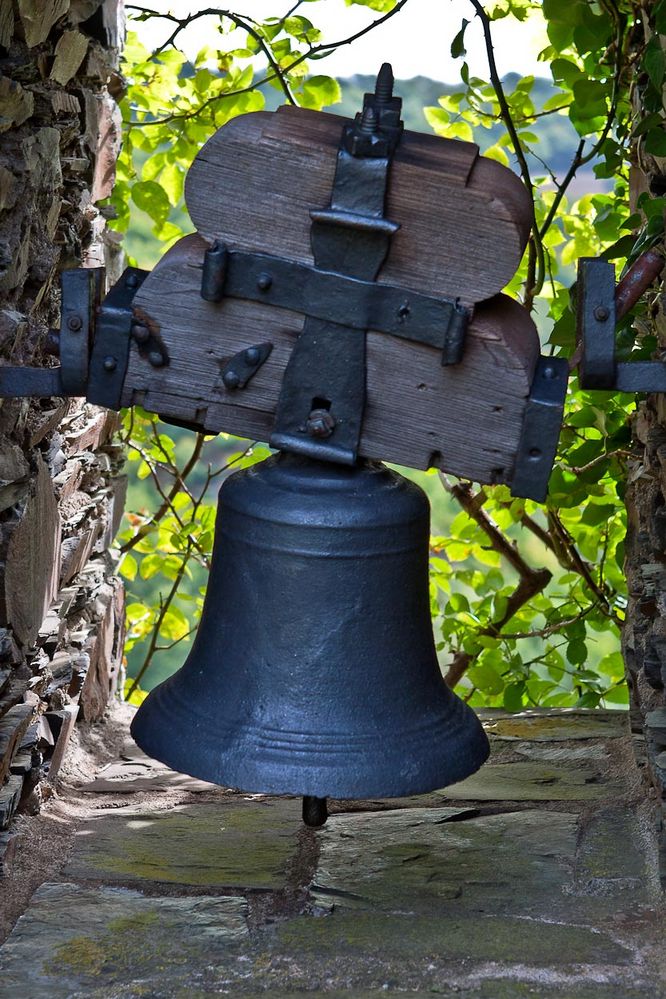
(319,92)
(458,44)
(152,199)
(128,566)
(655,142)
(654,63)
(174,624)
(513,696)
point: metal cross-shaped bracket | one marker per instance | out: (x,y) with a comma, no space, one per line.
(601,304)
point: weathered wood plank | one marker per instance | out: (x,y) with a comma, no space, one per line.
(464,219)
(465,419)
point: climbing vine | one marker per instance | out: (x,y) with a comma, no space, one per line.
(527,599)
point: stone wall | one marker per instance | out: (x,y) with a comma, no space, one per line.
(644,634)
(61,494)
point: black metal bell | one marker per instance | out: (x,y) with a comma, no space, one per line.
(314,669)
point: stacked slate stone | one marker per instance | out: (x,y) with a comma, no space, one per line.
(644,634)
(61,608)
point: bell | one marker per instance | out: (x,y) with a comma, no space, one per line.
(314,671)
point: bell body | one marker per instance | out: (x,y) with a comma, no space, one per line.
(314,671)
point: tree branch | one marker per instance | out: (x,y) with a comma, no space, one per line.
(531,581)
(536,270)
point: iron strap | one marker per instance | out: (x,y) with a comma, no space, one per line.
(338,298)
(110,353)
(542,422)
(596,322)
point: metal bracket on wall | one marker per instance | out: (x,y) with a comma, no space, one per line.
(601,304)
(93,342)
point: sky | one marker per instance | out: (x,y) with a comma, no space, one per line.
(416,41)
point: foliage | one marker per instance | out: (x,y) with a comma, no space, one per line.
(524,596)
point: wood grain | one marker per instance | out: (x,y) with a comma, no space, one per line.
(464,419)
(464,219)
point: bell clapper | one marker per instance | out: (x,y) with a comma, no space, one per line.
(315,811)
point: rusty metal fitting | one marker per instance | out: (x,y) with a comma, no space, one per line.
(320,423)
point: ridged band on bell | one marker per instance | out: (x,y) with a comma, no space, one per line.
(314,670)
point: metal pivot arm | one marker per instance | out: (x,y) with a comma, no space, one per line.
(93,342)
(600,305)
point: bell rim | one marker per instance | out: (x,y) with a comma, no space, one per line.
(464,749)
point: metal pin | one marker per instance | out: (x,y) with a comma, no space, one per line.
(110,363)
(315,811)
(156,358)
(231,379)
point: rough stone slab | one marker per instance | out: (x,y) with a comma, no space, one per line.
(38,17)
(556,725)
(609,861)
(10,794)
(12,729)
(141,773)
(75,941)
(655,723)
(234,843)
(414,943)
(415,860)
(531,781)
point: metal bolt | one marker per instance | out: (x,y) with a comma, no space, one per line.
(110,363)
(368,124)
(231,379)
(384,84)
(601,313)
(403,311)
(549,372)
(252,355)
(132,281)
(264,281)
(74,323)
(320,423)
(535,452)
(156,358)
(140,332)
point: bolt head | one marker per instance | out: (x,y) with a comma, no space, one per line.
(156,358)
(251,355)
(74,323)
(601,313)
(549,373)
(231,379)
(110,363)
(132,281)
(264,281)
(320,423)
(140,332)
